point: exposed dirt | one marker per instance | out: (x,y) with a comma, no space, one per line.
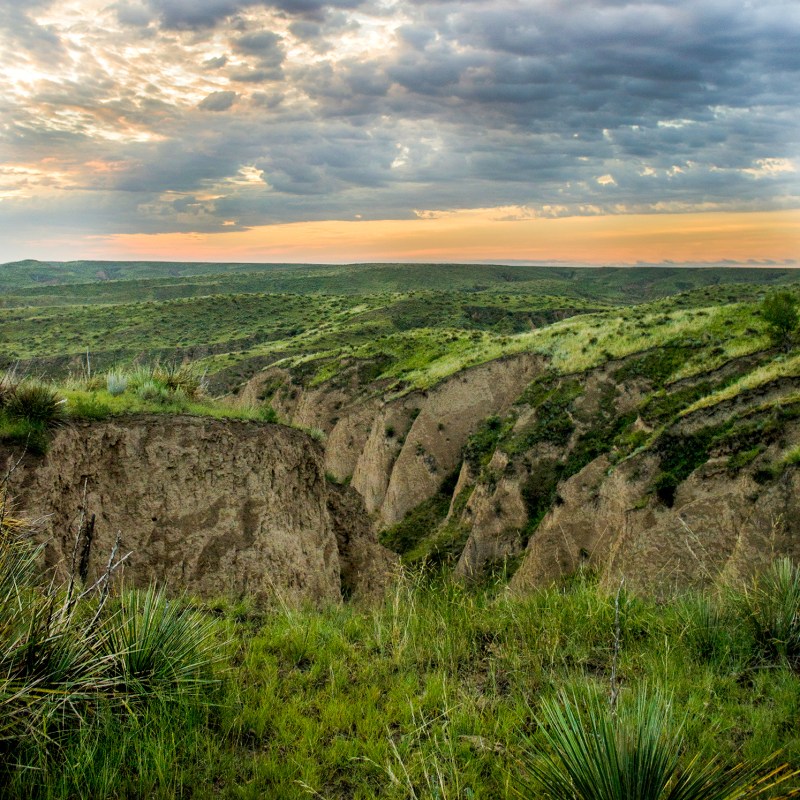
(396,452)
(210,506)
(718,527)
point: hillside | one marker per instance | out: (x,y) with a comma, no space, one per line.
(587,488)
(467,417)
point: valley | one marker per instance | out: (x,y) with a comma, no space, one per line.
(436,478)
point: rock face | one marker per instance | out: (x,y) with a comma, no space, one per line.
(214,507)
(397,451)
(718,527)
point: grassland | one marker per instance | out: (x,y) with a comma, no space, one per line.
(82,281)
(434,693)
(421,323)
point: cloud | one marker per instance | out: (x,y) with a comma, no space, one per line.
(218,101)
(375,109)
(39,42)
(265,46)
(215,62)
(197,15)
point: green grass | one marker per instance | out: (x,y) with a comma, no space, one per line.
(632,753)
(123,280)
(434,693)
(421,323)
(32,409)
(81,658)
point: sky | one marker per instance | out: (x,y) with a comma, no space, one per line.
(541,131)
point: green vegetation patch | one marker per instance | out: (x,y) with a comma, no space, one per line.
(656,366)
(436,692)
(743,438)
(421,538)
(481,445)
(417,525)
(551,397)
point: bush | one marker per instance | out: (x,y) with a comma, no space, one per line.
(116,383)
(596,754)
(36,403)
(779,309)
(152,391)
(154,643)
(7,384)
(713,632)
(268,414)
(180,377)
(88,407)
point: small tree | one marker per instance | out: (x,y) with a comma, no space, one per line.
(779,309)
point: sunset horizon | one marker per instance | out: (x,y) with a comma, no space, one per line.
(334,131)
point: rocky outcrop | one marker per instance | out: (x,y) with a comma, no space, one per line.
(719,526)
(396,451)
(210,506)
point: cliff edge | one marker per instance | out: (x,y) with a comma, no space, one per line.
(215,507)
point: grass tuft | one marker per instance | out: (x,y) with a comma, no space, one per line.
(597,754)
(36,403)
(771,608)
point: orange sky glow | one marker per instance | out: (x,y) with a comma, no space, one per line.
(563,131)
(481,236)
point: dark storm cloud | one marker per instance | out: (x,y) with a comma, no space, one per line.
(218,101)
(576,107)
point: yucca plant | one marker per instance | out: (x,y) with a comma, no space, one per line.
(116,382)
(63,648)
(635,754)
(771,608)
(153,391)
(183,377)
(157,642)
(713,631)
(49,661)
(35,403)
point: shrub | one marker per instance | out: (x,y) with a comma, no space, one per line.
(779,309)
(36,403)
(268,414)
(183,377)
(713,632)
(88,407)
(152,391)
(771,608)
(596,754)
(7,384)
(116,383)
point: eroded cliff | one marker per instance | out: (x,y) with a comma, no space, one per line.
(397,450)
(215,507)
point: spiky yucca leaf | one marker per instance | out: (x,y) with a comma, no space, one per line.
(49,663)
(771,606)
(594,755)
(36,403)
(156,641)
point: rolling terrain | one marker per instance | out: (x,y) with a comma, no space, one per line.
(488,489)
(465,408)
